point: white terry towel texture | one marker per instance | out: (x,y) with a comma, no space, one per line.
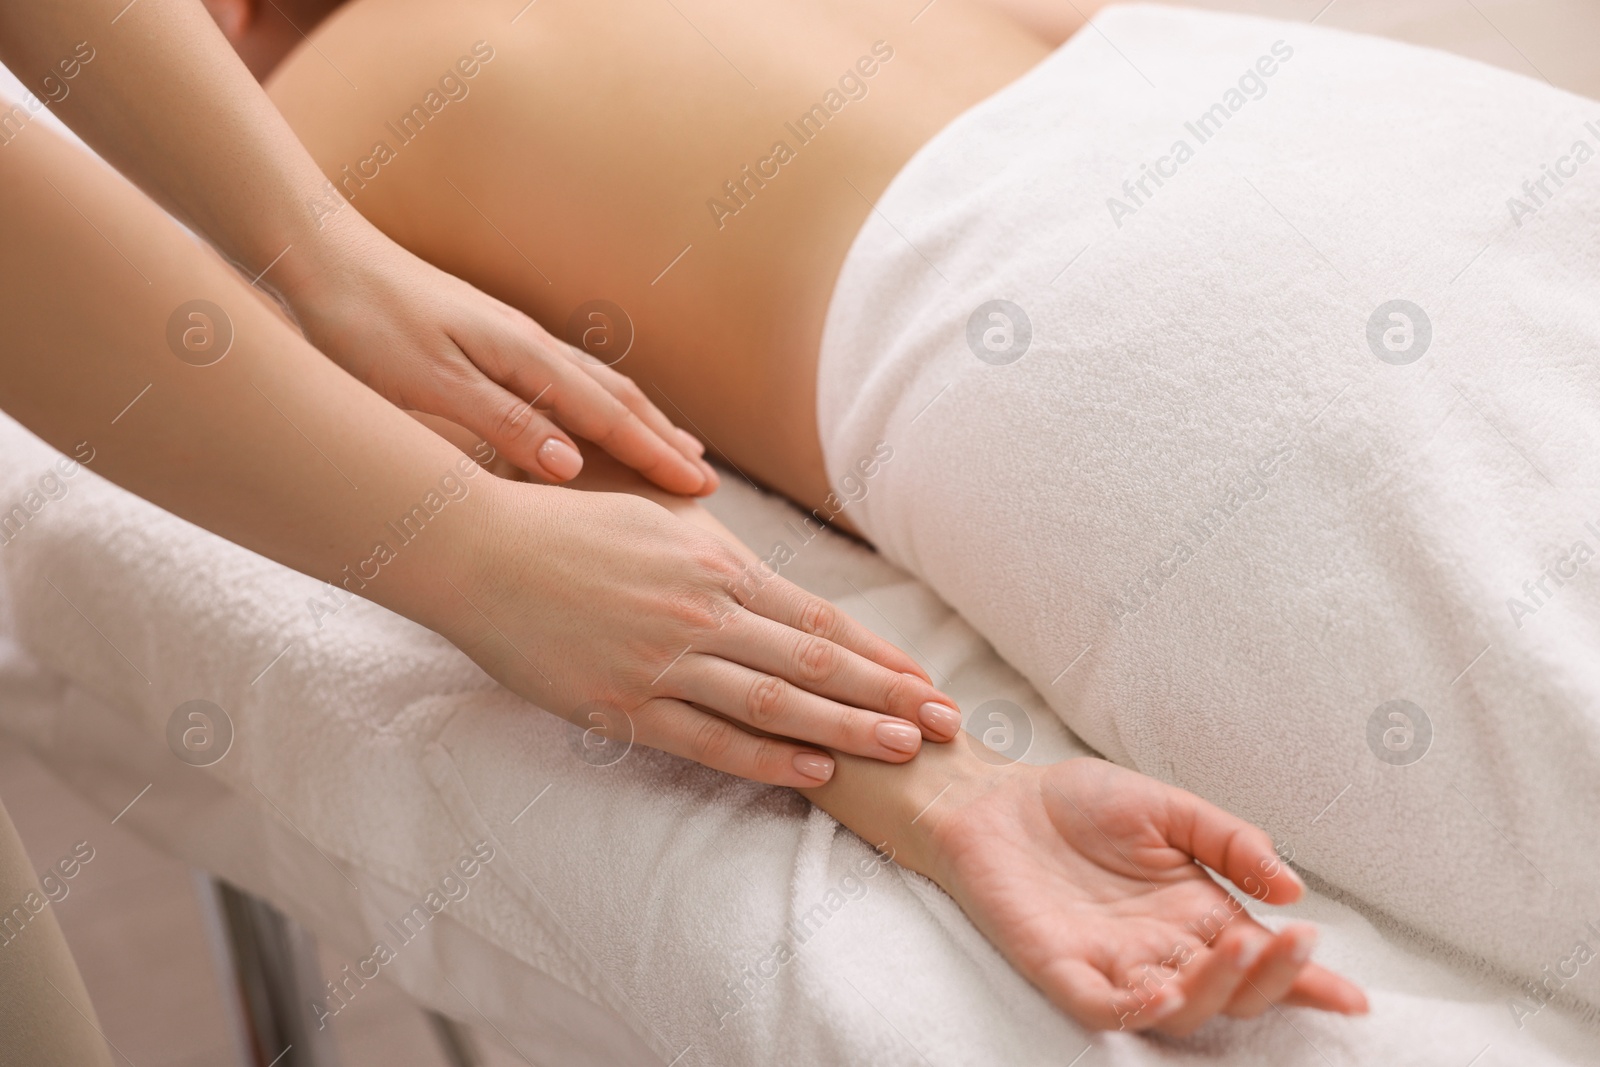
(634,912)
(1219,522)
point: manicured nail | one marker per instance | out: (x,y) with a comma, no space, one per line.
(1169,1006)
(817,768)
(559,459)
(899,736)
(710,474)
(939,718)
(1249,951)
(690,440)
(1305,944)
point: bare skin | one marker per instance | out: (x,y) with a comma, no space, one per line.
(578,166)
(1086,876)
(211,147)
(594,194)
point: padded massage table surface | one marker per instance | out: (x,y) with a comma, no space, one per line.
(638,909)
(642,911)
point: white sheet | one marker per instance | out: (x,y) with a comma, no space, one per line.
(624,903)
(1290,499)
(364,768)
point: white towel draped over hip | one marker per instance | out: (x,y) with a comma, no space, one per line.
(1293,496)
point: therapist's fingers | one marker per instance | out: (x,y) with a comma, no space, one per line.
(773,706)
(563,387)
(676,727)
(783,601)
(512,426)
(828,667)
(627,391)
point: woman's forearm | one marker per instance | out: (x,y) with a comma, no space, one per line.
(899,809)
(157,90)
(189,389)
(272,446)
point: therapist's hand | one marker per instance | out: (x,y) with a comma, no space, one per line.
(612,612)
(430,342)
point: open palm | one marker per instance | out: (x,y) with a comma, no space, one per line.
(1085,876)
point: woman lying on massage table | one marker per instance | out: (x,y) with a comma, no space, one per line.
(1079,872)
(595,135)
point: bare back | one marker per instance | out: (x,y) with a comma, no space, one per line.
(702,167)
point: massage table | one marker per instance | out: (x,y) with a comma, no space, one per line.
(633,908)
(634,902)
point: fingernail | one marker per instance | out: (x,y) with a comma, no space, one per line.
(1249,951)
(1169,1006)
(710,474)
(559,459)
(899,736)
(1305,944)
(691,440)
(817,768)
(939,718)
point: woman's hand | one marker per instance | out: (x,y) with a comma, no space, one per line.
(610,611)
(430,342)
(1085,876)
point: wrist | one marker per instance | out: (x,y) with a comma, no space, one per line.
(320,250)
(458,580)
(906,809)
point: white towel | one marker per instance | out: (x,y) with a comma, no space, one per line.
(623,904)
(1250,525)
(632,912)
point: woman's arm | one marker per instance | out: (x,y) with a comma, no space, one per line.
(127,338)
(157,91)
(1089,879)
(1085,875)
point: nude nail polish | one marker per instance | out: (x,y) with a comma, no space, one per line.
(559,459)
(818,768)
(1305,944)
(898,736)
(940,718)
